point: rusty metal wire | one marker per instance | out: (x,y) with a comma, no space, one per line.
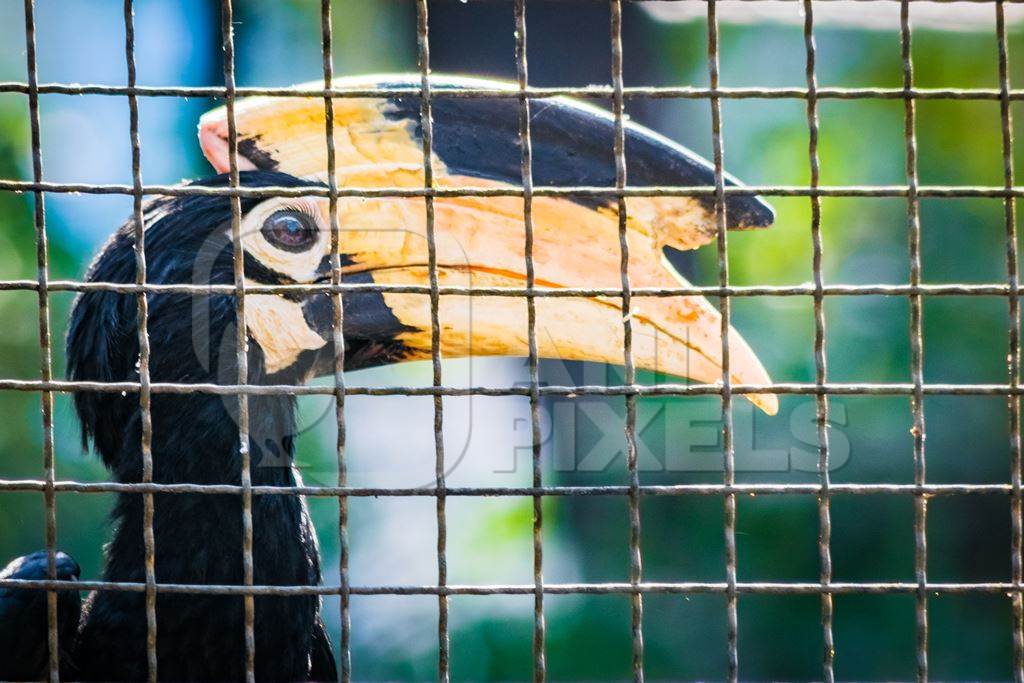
(731,594)
(993,289)
(267,191)
(142,314)
(427,126)
(45,362)
(820,355)
(533,93)
(1013,355)
(526,173)
(916,348)
(730,588)
(602,588)
(930,490)
(345,670)
(241,340)
(667,389)
(635,556)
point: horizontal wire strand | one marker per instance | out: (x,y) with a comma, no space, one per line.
(951,289)
(929,490)
(794,388)
(709,191)
(609,588)
(590,91)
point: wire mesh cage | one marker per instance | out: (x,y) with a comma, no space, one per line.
(638,587)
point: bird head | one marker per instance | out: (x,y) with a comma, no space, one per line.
(479,242)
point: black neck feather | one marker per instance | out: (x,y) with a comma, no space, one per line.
(195,440)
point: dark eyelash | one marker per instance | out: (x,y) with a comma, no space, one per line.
(309,212)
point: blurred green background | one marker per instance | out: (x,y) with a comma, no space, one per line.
(86,139)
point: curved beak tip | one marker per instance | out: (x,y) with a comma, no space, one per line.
(769,403)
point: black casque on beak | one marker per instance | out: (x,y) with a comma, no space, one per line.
(572,145)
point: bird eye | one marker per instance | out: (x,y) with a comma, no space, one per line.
(290,230)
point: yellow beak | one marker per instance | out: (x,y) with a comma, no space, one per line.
(480,240)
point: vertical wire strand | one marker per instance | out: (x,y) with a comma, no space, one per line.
(345,671)
(45,353)
(1013,354)
(427,125)
(820,355)
(916,344)
(241,337)
(635,556)
(142,315)
(526,172)
(729,454)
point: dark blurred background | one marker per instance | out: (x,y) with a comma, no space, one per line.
(86,139)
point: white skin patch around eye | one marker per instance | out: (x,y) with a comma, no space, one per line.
(299,266)
(280,329)
(275,323)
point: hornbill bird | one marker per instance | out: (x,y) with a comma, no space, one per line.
(286,240)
